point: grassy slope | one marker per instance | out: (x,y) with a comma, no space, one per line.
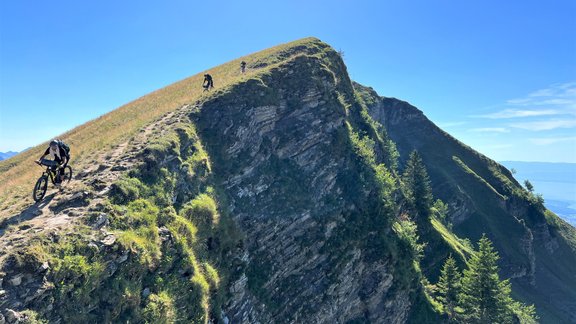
(123,123)
(456,170)
(18,174)
(136,223)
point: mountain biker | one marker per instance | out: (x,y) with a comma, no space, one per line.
(59,155)
(208,83)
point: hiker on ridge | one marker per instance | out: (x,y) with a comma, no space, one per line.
(208,83)
(243,67)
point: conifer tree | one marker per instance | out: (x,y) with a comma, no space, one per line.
(418,185)
(484,298)
(528,185)
(449,287)
(391,154)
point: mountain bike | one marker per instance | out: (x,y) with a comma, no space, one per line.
(50,173)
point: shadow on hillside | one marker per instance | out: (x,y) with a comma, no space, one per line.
(27,214)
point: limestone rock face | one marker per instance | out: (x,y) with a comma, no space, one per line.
(277,146)
(275,198)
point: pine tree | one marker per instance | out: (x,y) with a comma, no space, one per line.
(528,185)
(391,154)
(418,185)
(484,298)
(449,287)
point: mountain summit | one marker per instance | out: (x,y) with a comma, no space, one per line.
(287,194)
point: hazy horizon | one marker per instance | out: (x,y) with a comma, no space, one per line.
(555,181)
(472,68)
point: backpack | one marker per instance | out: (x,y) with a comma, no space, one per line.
(65,148)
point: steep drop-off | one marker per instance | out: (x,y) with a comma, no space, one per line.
(317,244)
(538,249)
(274,199)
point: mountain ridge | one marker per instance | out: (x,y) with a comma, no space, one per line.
(5,155)
(448,161)
(270,199)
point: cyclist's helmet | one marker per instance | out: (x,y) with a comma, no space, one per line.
(54,143)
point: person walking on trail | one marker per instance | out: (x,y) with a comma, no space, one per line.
(243,67)
(59,153)
(208,83)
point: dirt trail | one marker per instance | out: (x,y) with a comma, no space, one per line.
(61,209)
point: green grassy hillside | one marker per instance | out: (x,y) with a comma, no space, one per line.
(95,138)
(276,197)
(536,246)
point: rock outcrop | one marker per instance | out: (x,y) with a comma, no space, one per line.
(278,147)
(274,199)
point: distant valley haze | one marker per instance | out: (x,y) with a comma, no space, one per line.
(555,181)
(472,68)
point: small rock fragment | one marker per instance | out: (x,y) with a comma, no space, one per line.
(109,240)
(12,316)
(16,281)
(44,267)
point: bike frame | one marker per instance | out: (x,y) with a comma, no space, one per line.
(49,173)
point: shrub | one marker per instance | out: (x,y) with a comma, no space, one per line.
(440,210)
(159,309)
(212,275)
(202,211)
(166,216)
(31,317)
(125,190)
(407,232)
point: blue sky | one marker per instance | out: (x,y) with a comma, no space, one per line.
(498,75)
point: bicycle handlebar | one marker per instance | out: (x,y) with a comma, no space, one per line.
(43,164)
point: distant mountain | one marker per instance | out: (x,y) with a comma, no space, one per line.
(5,155)
(484,198)
(285,195)
(555,181)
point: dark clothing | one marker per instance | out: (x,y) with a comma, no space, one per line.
(57,157)
(243,66)
(208,83)
(49,163)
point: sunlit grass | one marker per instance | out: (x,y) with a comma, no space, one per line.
(88,141)
(461,247)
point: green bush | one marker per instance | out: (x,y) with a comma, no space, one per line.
(184,231)
(363,146)
(125,190)
(159,309)
(407,231)
(166,216)
(140,231)
(202,211)
(31,317)
(440,210)
(142,213)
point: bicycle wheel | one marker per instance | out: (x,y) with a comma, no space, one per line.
(66,174)
(40,188)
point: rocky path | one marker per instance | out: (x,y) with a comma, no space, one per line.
(61,209)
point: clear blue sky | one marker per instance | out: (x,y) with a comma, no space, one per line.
(498,75)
